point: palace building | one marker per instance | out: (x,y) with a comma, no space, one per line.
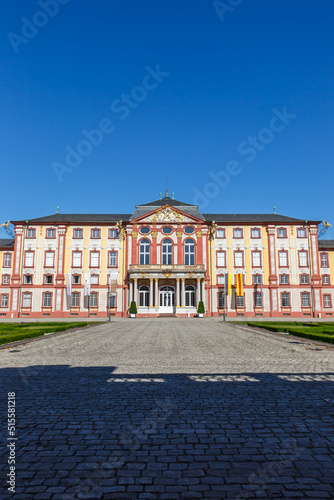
(166,256)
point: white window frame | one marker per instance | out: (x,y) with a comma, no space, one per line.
(77,259)
(302,258)
(49,259)
(112,259)
(47,299)
(94,259)
(29,261)
(256,258)
(283,262)
(221,259)
(306,299)
(144,252)
(26,300)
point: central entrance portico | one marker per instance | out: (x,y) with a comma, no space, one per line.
(166,299)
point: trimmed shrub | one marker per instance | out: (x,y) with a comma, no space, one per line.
(201,308)
(133,307)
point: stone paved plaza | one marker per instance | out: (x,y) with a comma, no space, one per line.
(170,409)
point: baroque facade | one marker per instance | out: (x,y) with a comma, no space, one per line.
(166,256)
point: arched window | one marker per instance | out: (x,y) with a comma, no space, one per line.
(144,295)
(190,295)
(167,252)
(189,253)
(144,252)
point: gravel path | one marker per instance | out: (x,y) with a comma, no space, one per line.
(170,409)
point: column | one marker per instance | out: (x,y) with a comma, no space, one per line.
(273,280)
(135,298)
(198,291)
(179,247)
(203,293)
(130,292)
(151,292)
(183,292)
(134,256)
(156,297)
(177,292)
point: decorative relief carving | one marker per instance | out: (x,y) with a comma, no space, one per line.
(154,234)
(167,214)
(199,234)
(179,234)
(134,234)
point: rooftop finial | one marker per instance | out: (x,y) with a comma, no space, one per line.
(166,187)
(172,196)
(160,195)
(57,209)
(274,210)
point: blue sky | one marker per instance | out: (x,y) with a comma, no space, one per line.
(225,74)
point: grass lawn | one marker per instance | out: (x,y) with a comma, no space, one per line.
(10,332)
(323,332)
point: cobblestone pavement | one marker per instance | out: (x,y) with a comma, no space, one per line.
(170,409)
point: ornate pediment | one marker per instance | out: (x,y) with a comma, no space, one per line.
(167,214)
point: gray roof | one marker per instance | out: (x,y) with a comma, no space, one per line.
(7,243)
(78,218)
(166,201)
(326,244)
(187,208)
(252,218)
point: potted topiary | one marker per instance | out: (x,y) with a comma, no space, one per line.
(201,309)
(133,309)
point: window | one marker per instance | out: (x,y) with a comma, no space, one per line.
(284,279)
(221,261)
(76,279)
(220,233)
(7,260)
(302,258)
(283,258)
(144,296)
(76,259)
(96,233)
(26,302)
(326,279)
(189,230)
(256,259)
(144,230)
(301,232)
(77,233)
(144,252)
(304,279)
(327,301)
(29,259)
(324,260)
(255,233)
(75,299)
(305,299)
(238,259)
(285,299)
(281,232)
(4,300)
(94,279)
(189,253)
(112,300)
(221,300)
(94,259)
(27,279)
(5,279)
(167,230)
(190,296)
(257,279)
(31,233)
(237,233)
(220,279)
(49,259)
(48,279)
(93,299)
(47,299)
(112,259)
(113,233)
(167,252)
(50,233)
(239,300)
(257,299)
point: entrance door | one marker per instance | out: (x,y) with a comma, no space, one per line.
(166,299)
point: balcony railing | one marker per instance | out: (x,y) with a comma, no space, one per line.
(163,267)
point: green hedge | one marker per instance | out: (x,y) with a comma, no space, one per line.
(23,331)
(313,336)
(5,339)
(312,331)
